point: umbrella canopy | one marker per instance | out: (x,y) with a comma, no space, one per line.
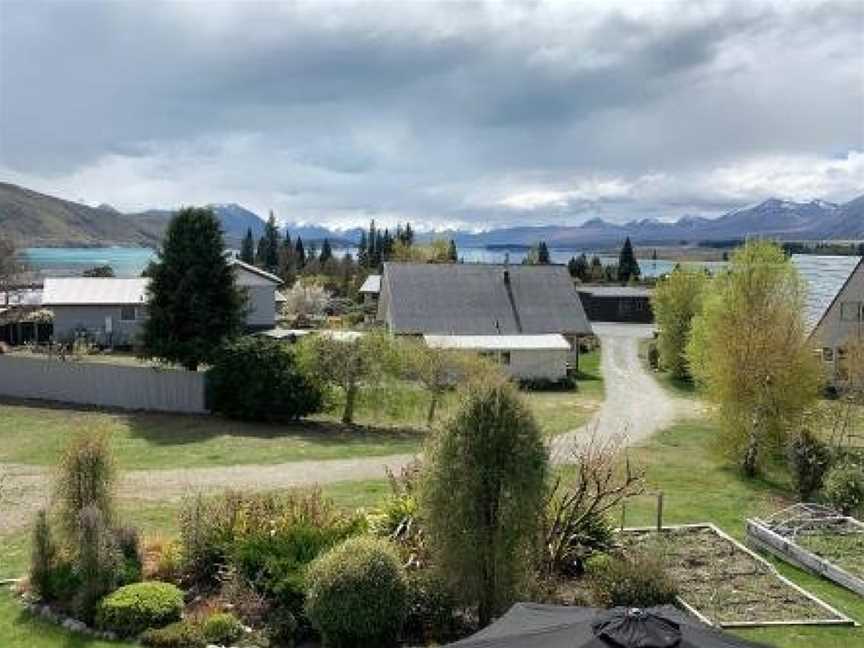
(553,626)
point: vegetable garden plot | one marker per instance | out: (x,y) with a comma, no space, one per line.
(814,538)
(726,584)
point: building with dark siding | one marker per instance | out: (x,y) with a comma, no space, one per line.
(617,304)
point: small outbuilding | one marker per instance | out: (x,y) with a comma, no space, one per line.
(617,304)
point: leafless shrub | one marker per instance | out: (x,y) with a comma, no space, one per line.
(601,478)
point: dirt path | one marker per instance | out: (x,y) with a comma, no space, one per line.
(635,405)
(28,487)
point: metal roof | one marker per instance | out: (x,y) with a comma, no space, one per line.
(372,284)
(825,277)
(21,297)
(256,270)
(616,291)
(481,299)
(498,342)
(92,291)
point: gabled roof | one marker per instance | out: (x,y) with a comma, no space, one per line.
(548,342)
(256,270)
(94,291)
(371,285)
(477,299)
(616,291)
(825,277)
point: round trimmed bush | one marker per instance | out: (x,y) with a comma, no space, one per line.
(844,487)
(132,609)
(222,628)
(357,593)
(259,379)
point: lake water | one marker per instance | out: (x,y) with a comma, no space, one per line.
(129,262)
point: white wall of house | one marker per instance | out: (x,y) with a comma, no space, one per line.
(92,319)
(842,323)
(261,296)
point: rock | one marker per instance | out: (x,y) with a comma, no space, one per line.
(73,625)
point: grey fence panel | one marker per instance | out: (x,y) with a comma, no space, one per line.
(105,385)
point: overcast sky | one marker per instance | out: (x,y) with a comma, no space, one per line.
(468,114)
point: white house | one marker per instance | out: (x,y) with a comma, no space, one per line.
(111,310)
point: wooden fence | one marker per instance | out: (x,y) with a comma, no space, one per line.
(103,385)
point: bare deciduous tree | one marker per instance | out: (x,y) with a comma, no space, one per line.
(601,478)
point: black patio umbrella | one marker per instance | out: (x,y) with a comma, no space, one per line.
(529,625)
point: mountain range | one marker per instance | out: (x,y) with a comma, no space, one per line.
(38,220)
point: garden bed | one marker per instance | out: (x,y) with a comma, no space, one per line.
(726,584)
(815,539)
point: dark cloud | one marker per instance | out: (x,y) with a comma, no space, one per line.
(469,112)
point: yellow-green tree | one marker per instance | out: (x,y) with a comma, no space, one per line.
(677,300)
(749,349)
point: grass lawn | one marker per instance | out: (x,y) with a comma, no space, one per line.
(392,420)
(699,486)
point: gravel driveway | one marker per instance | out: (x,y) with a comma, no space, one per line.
(634,405)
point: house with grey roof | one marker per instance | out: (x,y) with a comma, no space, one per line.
(835,305)
(112,310)
(498,310)
(630,304)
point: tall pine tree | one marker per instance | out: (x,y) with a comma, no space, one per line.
(452,253)
(628,267)
(194,304)
(271,244)
(299,253)
(247,249)
(326,252)
(542,253)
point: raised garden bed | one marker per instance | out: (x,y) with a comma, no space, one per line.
(816,539)
(725,584)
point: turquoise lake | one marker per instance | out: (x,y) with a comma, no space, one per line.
(129,262)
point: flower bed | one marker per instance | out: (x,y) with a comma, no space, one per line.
(728,585)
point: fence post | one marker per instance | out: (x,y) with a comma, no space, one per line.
(660,511)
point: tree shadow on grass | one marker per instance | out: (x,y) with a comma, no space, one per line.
(170,429)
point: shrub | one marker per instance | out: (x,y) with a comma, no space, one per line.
(129,545)
(810,459)
(181,634)
(206,528)
(99,561)
(357,593)
(431,609)
(85,478)
(256,378)
(635,580)
(222,628)
(135,608)
(484,485)
(844,487)
(43,557)
(653,356)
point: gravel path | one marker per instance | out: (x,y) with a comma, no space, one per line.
(634,405)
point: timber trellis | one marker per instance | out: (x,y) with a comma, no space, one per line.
(777,535)
(103,385)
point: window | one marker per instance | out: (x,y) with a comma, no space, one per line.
(850,311)
(127,313)
(828,354)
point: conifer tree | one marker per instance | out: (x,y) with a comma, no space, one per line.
(271,244)
(452,253)
(326,252)
(247,249)
(194,304)
(363,251)
(628,267)
(543,253)
(299,254)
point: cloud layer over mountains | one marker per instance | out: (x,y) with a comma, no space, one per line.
(455,114)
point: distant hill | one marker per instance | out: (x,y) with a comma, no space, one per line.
(36,219)
(33,219)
